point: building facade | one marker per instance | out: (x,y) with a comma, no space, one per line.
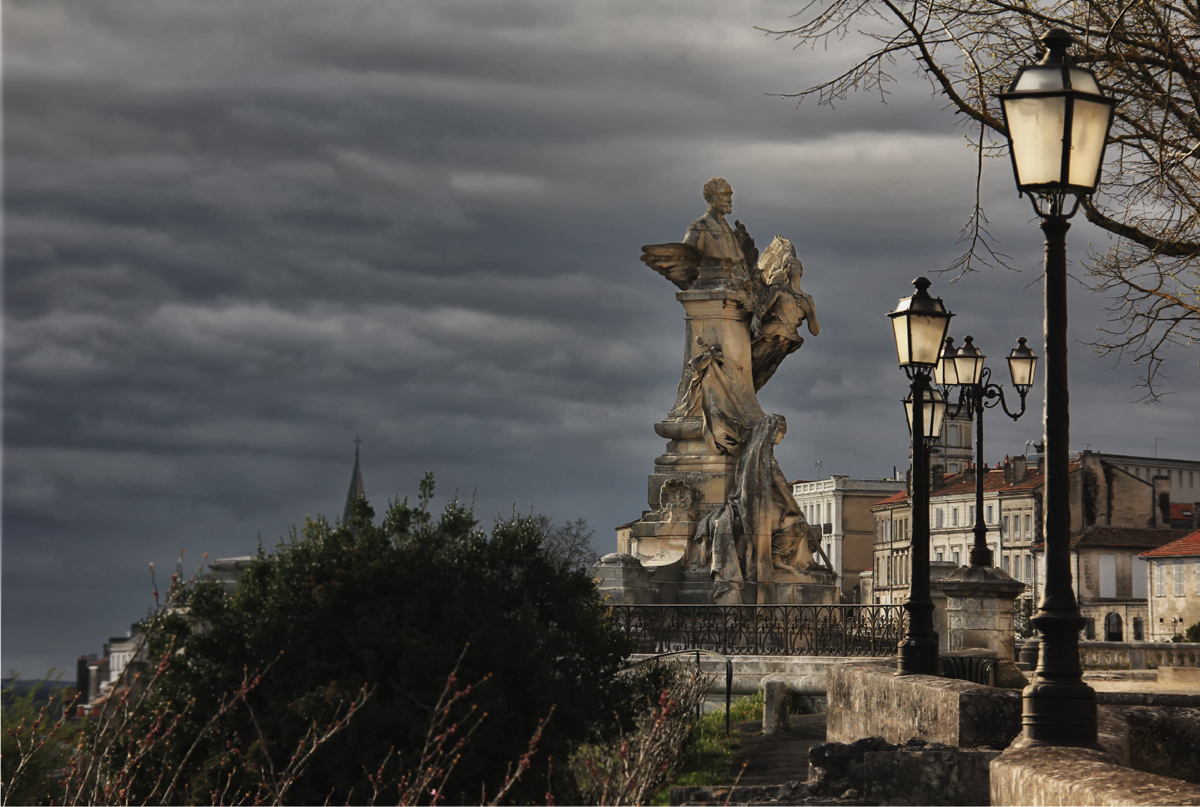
(840,508)
(1115,516)
(1173,578)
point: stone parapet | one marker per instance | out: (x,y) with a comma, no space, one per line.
(867,699)
(1050,775)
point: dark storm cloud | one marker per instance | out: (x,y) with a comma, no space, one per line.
(239,233)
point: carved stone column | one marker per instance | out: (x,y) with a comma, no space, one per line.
(715,319)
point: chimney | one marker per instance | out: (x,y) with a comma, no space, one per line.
(939,476)
(1019,468)
(969,475)
(1162,502)
(1008,471)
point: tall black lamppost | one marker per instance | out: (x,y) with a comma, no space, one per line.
(1058,121)
(963,367)
(920,324)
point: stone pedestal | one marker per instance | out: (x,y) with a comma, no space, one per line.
(979,609)
(623,581)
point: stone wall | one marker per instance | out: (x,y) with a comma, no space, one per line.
(1084,776)
(867,699)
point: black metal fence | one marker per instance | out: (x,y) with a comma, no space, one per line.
(765,630)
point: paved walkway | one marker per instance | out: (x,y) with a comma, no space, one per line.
(777,758)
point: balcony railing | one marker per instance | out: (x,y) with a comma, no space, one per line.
(765,630)
(1137,655)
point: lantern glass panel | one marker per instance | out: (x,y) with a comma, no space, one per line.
(1022,368)
(927,333)
(968,366)
(1083,80)
(1089,126)
(900,328)
(933,414)
(944,373)
(1035,127)
(1039,79)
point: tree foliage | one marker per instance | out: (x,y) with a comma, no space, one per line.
(387,611)
(1145,54)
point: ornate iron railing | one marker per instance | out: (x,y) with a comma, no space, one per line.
(765,630)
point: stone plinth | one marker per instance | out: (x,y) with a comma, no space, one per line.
(979,609)
(623,580)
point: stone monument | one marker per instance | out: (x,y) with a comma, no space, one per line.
(723,526)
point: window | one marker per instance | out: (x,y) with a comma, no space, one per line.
(1138,630)
(1160,579)
(954,516)
(1177,573)
(939,517)
(1029,568)
(971,514)
(955,556)
(1006,532)
(1006,564)
(1028,526)
(952,436)
(939,557)
(1089,630)
(1141,577)
(1189,479)
(989,514)
(1108,577)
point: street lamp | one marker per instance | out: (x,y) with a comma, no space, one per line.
(1058,121)
(919,324)
(964,368)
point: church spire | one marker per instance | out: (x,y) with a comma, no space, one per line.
(357,491)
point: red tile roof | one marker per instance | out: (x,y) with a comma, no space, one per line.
(893,499)
(1129,537)
(1181,510)
(1187,546)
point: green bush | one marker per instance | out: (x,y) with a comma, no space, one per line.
(389,610)
(36,744)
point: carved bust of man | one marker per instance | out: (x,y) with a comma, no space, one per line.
(714,239)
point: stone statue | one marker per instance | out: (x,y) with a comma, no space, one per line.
(711,250)
(779,310)
(759,531)
(722,524)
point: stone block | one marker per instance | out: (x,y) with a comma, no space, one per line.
(1165,741)
(775,710)
(1179,676)
(867,699)
(928,775)
(1052,775)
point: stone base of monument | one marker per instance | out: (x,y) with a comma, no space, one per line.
(624,581)
(696,587)
(814,593)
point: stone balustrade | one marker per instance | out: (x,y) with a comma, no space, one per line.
(1138,655)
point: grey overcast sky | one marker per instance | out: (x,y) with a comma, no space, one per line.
(237,234)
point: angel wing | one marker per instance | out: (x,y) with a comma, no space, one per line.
(676,262)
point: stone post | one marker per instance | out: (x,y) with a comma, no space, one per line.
(979,609)
(775,713)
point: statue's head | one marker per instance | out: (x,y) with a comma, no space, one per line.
(795,271)
(719,194)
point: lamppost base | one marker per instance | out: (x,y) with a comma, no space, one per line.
(918,657)
(919,648)
(1060,713)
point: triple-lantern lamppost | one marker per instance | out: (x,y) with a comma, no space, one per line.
(963,367)
(1058,121)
